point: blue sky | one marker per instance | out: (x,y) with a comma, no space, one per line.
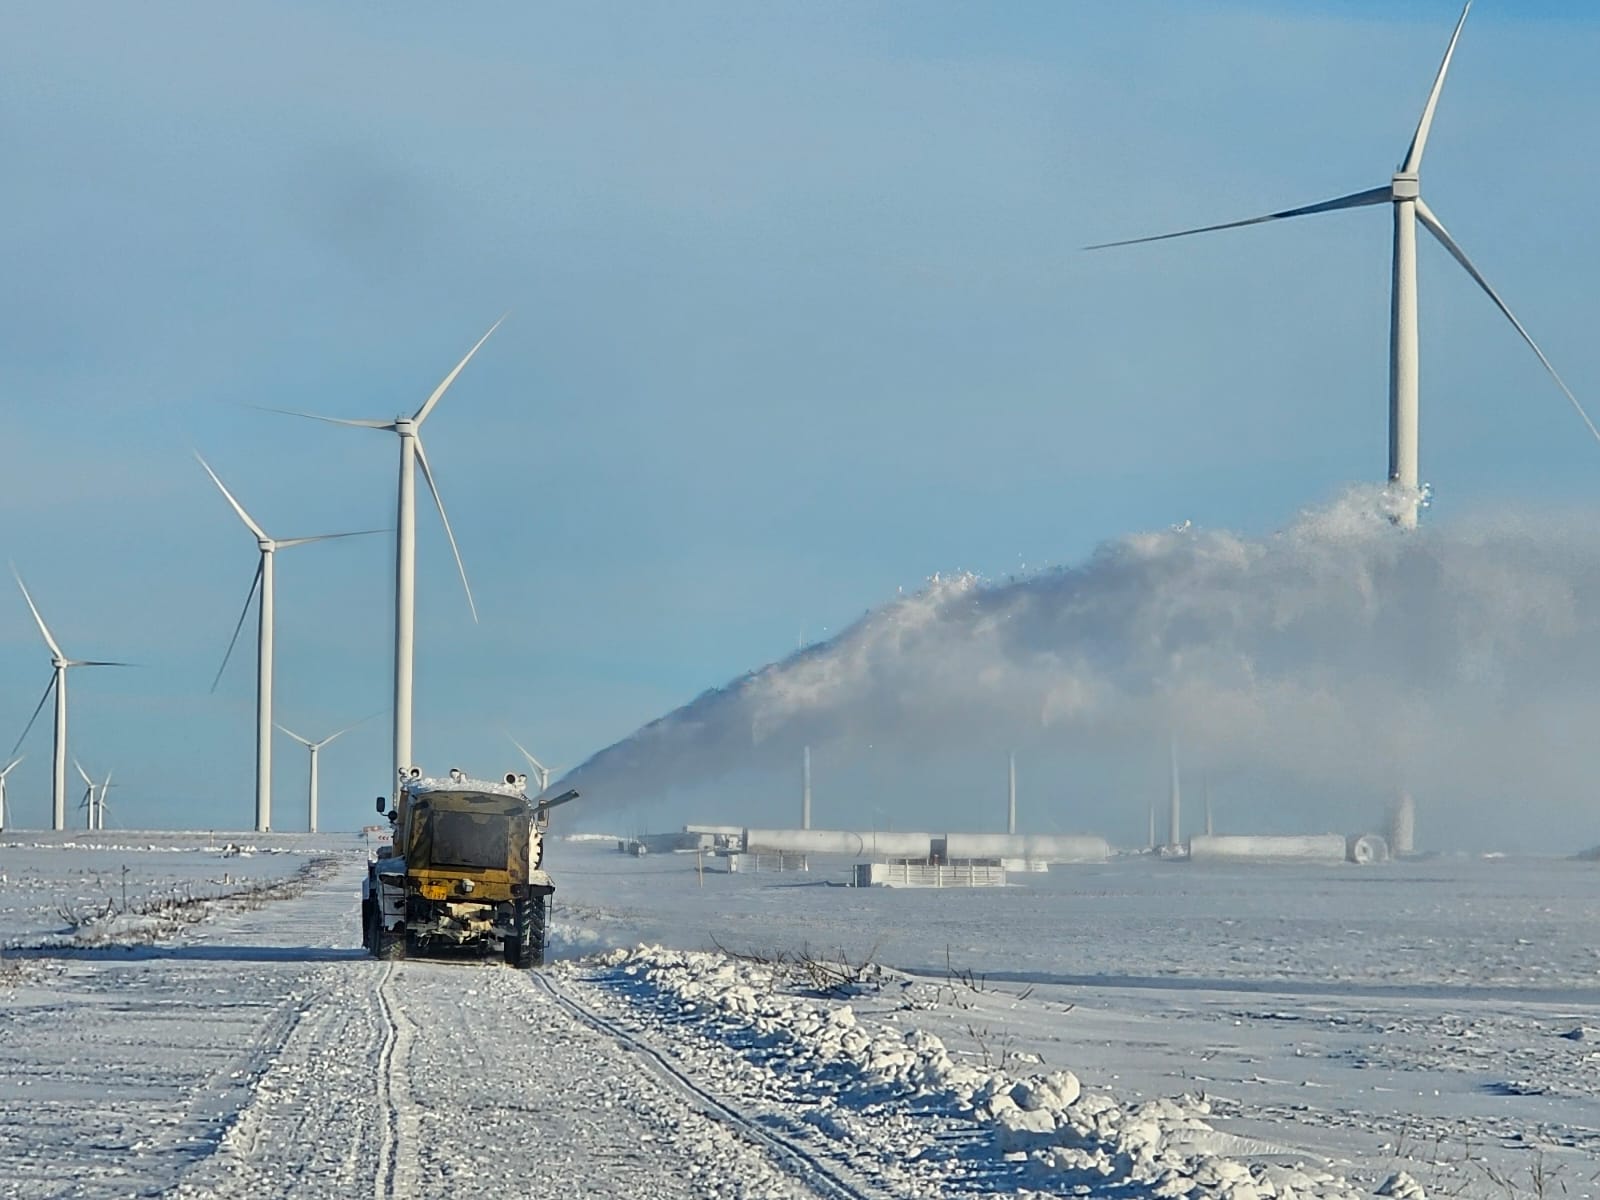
(798,317)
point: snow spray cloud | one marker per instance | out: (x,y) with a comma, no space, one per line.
(1460,661)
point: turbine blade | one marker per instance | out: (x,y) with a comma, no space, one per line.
(422,461)
(1425,215)
(34,608)
(427,405)
(243,613)
(1379,195)
(292,733)
(227,495)
(325,537)
(1413,159)
(82,774)
(290,412)
(348,728)
(6,770)
(97,662)
(532,761)
(37,709)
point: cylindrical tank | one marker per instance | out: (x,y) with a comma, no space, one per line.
(1366,848)
(882,844)
(1036,847)
(1315,847)
(1403,825)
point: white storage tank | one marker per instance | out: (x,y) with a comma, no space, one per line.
(1366,848)
(1259,847)
(1031,847)
(883,844)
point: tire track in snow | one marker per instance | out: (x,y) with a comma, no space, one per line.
(397,1153)
(792,1157)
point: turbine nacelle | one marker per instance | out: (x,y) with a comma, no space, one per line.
(1405,186)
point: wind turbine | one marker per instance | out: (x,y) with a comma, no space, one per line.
(105,789)
(311,825)
(264,579)
(1404,193)
(61,664)
(409,430)
(88,802)
(540,772)
(3,773)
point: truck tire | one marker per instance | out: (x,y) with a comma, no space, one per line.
(537,929)
(391,946)
(379,941)
(368,911)
(525,948)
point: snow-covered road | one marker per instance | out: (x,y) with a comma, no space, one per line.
(260,1054)
(263,1057)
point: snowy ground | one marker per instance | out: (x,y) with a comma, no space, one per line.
(1137,1029)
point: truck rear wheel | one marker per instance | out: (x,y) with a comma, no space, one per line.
(379,941)
(525,948)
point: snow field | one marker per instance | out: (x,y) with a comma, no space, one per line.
(258,1052)
(898,1097)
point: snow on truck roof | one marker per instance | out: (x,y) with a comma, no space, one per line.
(461,782)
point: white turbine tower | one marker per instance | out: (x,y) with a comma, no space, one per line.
(409,430)
(541,773)
(105,790)
(264,579)
(89,802)
(3,773)
(1403,192)
(314,747)
(61,664)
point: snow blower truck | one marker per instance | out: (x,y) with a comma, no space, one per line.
(464,870)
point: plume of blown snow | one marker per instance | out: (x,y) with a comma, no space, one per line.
(1456,660)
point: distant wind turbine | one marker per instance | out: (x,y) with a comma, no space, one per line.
(541,773)
(105,796)
(1404,193)
(94,798)
(58,681)
(264,579)
(89,803)
(408,429)
(3,773)
(314,747)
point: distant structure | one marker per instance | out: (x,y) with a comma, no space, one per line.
(541,773)
(1324,847)
(264,576)
(1403,195)
(59,664)
(315,748)
(945,847)
(1152,842)
(1366,848)
(412,456)
(1011,794)
(805,789)
(89,802)
(1174,831)
(3,773)
(1403,825)
(1206,788)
